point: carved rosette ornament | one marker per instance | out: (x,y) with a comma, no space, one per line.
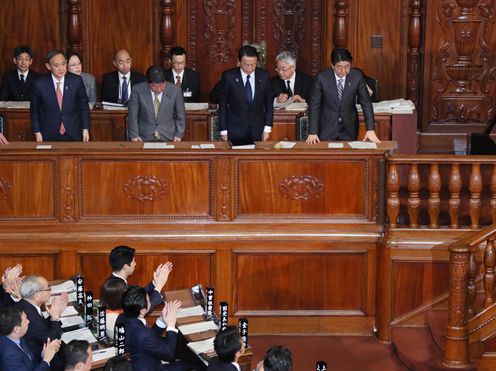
(301,187)
(5,189)
(288,24)
(219,29)
(146,188)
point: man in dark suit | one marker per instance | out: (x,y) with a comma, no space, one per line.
(277,358)
(229,347)
(78,356)
(332,110)
(35,292)
(290,83)
(118,85)
(15,353)
(156,109)
(246,100)
(185,78)
(123,263)
(59,105)
(17,84)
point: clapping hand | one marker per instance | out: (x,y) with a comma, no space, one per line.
(169,313)
(59,303)
(50,348)
(11,280)
(161,275)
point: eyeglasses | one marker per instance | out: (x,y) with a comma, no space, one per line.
(178,63)
(279,69)
(49,288)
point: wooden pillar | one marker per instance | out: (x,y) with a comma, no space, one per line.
(414,66)
(413,195)
(74,31)
(455,187)
(167,30)
(393,199)
(341,24)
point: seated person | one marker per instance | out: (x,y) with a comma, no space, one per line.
(289,82)
(277,358)
(185,78)
(229,347)
(75,65)
(156,109)
(118,363)
(146,347)
(111,297)
(16,84)
(117,86)
(78,356)
(15,354)
(35,292)
(123,263)
(10,290)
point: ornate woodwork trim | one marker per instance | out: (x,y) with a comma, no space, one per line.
(261,21)
(67,190)
(301,187)
(218,32)
(5,189)
(74,33)
(414,56)
(191,36)
(224,190)
(167,29)
(145,188)
(246,21)
(288,24)
(316,36)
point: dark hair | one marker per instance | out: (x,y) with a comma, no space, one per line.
(52,53)
(111,293)
(155,74)
(177,50)
(74,352)
(72,54)
(278,358)
(133,300)
(120,256)
(247,51)
(23,49)
(10,317)
(227,343)
(341,55)
(118,363)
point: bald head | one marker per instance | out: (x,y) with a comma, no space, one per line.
(122,61)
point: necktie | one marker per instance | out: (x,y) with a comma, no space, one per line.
(288,88)
(340,89)
(25,349)
(22,80)
(124,95)
(178,80)
(156,104)
(58,92)
(248,91)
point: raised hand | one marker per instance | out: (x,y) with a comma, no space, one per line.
(169,313)
(58,306)
(50,348)
(161,275)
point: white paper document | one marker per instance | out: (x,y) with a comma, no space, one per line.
(14,104)
(286,145)
(71,321)
(106,353)
(70,311)
(296,106)
(43,146)
(335,145)
(195,106)
(192,311)
(158,145)
(362,145)
(67,286)
(202,346)
(244,146)
(198,327)
(79,334)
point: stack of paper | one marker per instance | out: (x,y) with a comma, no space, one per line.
(14,104)
(296,106)
(79,334)
(106,353)
(286,145)
(67,286)
(198,327)
(113,106)
(158,145)
(71,321)
(192,311)
(362,145)
(392,106)
(202,346)
(244,146)
(195,106)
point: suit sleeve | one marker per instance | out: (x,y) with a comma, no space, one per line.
(155,297)
(106,90)
(315,101)
(34,113)
(5,299)
(83,106)
(269,103)
(179,116)
(42,329)
(132,115)
(4,93)
(223,99)
(366,103)
(158,347)
(196,87)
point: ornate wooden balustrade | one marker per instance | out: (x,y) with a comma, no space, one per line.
(441,191)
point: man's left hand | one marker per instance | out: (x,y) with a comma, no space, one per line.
(86,135)
(370,135)
(265,136)
(177,139)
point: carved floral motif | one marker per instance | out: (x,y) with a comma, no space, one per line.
(219,29)
(5,189)
(146,188)
(301,187)
(288,24)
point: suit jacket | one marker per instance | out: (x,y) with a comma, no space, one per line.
(190,84)
(15,358)
(90,85)
(39,330)
(239,117)
(46,115)
(5,298)
(12,89)
(217,365)
(146,347)
(331,119)
(155,297)
(302,85)
(171,119)
(110,85)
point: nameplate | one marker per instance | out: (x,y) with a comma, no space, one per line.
(154,145)
(44,146)
(335,145)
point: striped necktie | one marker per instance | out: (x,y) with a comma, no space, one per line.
(340,89)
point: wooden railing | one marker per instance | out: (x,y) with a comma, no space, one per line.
(441,191)
(462,293)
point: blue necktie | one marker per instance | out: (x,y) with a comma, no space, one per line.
(124,95)
(248,91)
(340,89)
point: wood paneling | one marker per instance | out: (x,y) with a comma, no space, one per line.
(44,263)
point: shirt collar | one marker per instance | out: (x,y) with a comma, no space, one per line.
(128,76)
(55,81)
(116,275)
(236,365)
(174,74)
(19,73)
(340,78)
(243,76)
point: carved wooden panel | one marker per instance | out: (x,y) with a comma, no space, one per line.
(278,187)
(197,126)
(28,190)
(318,282)
(114,188)
(44,263)
(189,268)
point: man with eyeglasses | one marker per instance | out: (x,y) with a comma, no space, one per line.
(246,100)
(36,292)
(185,78)
(332,110)
(290,83)
(17,84)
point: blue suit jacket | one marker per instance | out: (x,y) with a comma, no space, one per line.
(46,115)
(14,358)
(146,347)
(217,365)
(236,115)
